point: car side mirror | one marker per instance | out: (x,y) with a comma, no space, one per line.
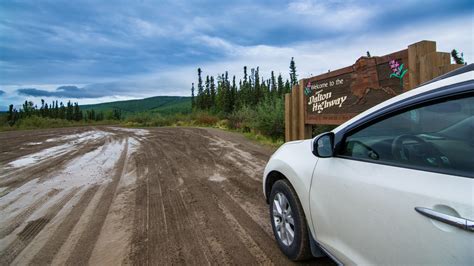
(323,145)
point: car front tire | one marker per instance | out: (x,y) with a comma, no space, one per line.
(289,222)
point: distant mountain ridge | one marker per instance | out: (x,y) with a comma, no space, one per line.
(157,104)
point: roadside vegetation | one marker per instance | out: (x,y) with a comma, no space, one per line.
(253,106)
(54,115)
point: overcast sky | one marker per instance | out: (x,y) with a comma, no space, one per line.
(90,52)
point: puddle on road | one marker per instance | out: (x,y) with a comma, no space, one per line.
(217,178)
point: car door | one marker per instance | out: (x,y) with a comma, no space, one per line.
(370,202)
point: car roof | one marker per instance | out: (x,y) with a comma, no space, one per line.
(459,75)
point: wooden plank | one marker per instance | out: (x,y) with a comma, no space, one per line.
(294,113)
(308,131)
(431,65)
(402,54)
(448,68)
(415,52)
(301,110)
(331,74)
(287,117)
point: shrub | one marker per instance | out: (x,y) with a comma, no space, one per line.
(242,119)
(270,118)
(206,119)
(41,122)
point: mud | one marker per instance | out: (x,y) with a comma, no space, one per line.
(109,195)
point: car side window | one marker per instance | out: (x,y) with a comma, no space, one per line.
(438,137)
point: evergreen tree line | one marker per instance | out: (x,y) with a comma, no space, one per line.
(55,110)
(222,95)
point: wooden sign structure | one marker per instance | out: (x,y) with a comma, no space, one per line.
(337,96)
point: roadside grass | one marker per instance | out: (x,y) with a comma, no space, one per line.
(245,122)
(205,119)
(35,122)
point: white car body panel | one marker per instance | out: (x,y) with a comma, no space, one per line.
(367,198)
(339,194)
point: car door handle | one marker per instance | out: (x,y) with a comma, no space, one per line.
(459,222)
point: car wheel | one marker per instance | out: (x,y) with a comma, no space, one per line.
(289,222)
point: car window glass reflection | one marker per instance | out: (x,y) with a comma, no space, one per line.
(438,136)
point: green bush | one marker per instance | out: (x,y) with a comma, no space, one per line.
(269,118)
(147,120)
(242,119)
(41,122)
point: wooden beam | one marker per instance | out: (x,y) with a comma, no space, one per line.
(294,113)
(415,52)
(301,110)
(287,117)
(431,65)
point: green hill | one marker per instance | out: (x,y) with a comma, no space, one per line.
(158,104)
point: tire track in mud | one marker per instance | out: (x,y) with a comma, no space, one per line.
(185,167)
(47,253)
(139,247)
(179,213)
(20,218)
(32,229)
(223,241)
(156,222)
(84,246)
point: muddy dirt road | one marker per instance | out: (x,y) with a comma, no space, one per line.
(109,195)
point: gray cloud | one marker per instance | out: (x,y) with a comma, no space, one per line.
(66,92)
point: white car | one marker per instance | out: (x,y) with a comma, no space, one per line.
(393,185)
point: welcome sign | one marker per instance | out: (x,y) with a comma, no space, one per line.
(335,97)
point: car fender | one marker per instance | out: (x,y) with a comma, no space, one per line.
(296,162)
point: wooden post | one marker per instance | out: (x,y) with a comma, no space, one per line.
(287,117)
(415,52)
(301,109)
(431,65)
(294,113)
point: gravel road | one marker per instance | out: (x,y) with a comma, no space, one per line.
(110,195)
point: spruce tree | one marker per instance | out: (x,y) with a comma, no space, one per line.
(281,85)
(62,111)
(77,112)
(287,86)
(10,115)
(192,96)
(213,93)
(56,110)
(199,100)
(272,84)
(42,108)
(293,76)
(200,90)
(233,94)
(220,94)
(46,110)
(69,111)
(207,94)
(227,94)
(257,89)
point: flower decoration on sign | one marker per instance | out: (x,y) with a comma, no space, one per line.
(307,89)
(397,70)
